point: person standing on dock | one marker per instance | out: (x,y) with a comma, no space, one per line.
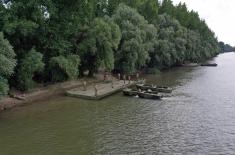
(96,90)
(112,84)
(84,85)
(137,76)
(129,79)
(119,76)
(124,78)
(105,76)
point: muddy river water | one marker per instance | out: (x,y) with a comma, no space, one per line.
(198,118)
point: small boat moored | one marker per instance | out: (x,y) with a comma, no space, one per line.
(129,92)
(147,95)
(209,64)
(164,89)
(161,89)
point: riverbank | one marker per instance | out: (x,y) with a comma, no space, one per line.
(43,93)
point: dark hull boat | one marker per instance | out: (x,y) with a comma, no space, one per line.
(147,95)
(164,89)
(154,88)
(209,64)
(129,92)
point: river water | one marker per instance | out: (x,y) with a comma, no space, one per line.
(199,118)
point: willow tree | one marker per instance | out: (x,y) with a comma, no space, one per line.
(7,64)
(29,66)
(97,48)
(193,46)
(149,9)
(134,46)
(171,45)
(64,68)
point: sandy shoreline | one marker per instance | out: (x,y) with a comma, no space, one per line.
(43,93)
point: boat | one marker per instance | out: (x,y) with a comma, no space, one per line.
(129,92)
(151,91)
(141,81)
(209,64)
(145,87)
(148,95)
(161,89)
(190,65)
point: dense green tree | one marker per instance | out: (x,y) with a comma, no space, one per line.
(132,52)
(98,47)
(3,15)
(4,87)
(166,6)
(193,46)
(7,57)
(225,47)
(135,4)
(171,46)
(22,22)
(73,36)
(7,64)
(149,9)
(64,68)
(29,66)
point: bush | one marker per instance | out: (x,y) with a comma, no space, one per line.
(64,68)
(4,88)
(7,64)
(30,64)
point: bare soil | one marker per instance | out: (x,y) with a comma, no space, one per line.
(43,93)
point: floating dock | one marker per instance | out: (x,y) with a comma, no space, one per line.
(104,89)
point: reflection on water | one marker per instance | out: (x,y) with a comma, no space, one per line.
(199,118)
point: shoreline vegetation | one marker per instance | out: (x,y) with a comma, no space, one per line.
(53,41)
(226,47)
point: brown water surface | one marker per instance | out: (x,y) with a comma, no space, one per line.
(199,118)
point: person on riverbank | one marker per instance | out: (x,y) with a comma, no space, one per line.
(119,76)
(129,79)
(84,85)
(105,76)
(96,90)
(112,82)
(137,76)
(124,79)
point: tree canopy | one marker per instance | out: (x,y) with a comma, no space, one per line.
(57,40)
(7,64)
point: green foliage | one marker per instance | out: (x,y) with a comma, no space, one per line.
(64,68)
(28,67)
(225,47)
(4,88)
(149,9)
(208,44)
(140,33)
(171,45)
(136,39)
(21,23)
(167,7)
(7,57)
(7,64)
(98,47)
